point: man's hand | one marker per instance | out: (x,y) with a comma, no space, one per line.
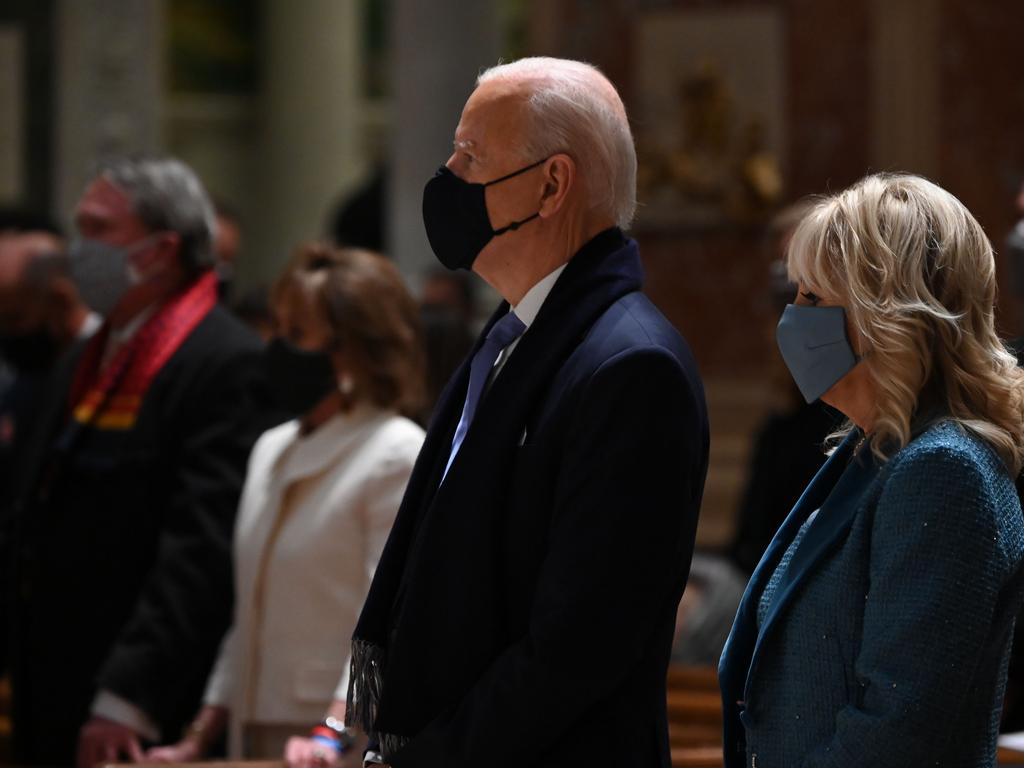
(105,741)
(306,753)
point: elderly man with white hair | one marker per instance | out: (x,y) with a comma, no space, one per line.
(522,612)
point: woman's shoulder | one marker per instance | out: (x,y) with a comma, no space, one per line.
(950,465)
(954,448)
(271,442)
(395,435)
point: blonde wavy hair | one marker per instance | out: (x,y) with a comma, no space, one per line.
(916,275)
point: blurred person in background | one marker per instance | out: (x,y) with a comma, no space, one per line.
(14,221)
(227,242)
(122,581)
(787,447)
(706,610)
(1013,710)
(253,309)
(447,308)
(1015,247)
(41,316)
(360,219)
(877,627)
(320,496)
(451,292)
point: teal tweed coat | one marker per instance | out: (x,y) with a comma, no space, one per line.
(887,640)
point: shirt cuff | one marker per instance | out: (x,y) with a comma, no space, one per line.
(113,707)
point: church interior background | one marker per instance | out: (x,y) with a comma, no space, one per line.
(739,108)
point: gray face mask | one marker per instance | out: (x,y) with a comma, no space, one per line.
(102,272)
(814,345)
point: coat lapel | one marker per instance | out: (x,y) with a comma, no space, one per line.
(444,539)
(589,284)
(836,493)
(739,652)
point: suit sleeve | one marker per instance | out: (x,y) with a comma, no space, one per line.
(161,658)
(936,574)
(619,549)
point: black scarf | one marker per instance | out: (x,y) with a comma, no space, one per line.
(433,619)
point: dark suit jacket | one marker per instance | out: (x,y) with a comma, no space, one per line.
(123,572)
(534,622)
(887,639)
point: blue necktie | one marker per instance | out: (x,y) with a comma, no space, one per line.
(503,333)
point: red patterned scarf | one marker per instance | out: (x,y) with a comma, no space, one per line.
(109,398)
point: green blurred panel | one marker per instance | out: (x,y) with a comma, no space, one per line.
(213,46)
(376,20)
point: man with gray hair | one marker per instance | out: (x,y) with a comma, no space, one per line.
(122,583)
(522,612)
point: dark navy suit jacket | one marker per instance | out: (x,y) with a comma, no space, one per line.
(537,610)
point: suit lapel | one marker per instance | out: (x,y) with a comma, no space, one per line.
(590,283)
(604,270)
(836,495)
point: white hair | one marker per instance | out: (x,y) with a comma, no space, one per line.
(167,195)
(573,108)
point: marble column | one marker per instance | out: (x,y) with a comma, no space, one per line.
(308,114)
(108,88)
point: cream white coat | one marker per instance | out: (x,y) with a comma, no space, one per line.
(314,516)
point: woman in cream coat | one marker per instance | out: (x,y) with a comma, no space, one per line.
(320,496)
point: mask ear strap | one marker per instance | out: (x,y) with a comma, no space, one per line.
(515,225)
(508,176)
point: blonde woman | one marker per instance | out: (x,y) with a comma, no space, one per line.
(319,500)
(877,627)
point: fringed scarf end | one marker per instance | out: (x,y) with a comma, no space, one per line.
(365,683)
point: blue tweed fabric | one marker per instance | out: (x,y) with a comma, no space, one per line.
(764,604)
(887,640)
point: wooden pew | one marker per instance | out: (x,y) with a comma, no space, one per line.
(694,717)
(5,721)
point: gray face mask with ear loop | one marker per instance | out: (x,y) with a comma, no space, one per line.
(815,347)
(102,272)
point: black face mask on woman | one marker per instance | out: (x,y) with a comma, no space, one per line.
(455,216)
(299,378)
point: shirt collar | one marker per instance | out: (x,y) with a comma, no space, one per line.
(90,325)
(529,306)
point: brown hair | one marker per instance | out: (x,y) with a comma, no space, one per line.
(371,315)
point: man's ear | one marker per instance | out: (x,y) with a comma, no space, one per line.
(559,175)
(169,247)
(162,258)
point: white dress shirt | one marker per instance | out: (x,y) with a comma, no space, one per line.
(527,310)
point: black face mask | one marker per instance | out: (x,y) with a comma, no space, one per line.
(299,378)
(456,220)
(30,352)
